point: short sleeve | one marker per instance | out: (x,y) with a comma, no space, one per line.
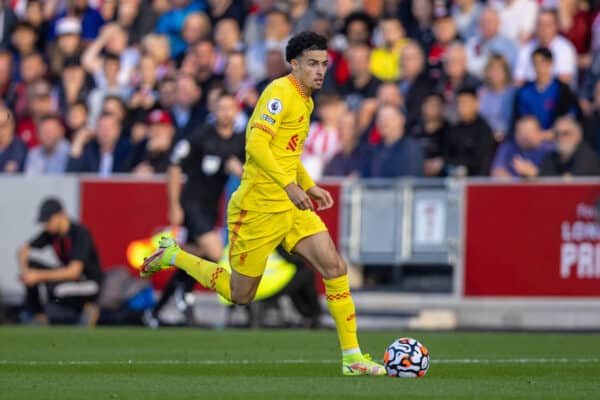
(270,110)
(40,241)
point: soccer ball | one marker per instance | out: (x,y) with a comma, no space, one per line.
(406,358)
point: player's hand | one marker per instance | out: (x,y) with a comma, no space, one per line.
(30,277)
(175,215)
(321,196)
(298,197)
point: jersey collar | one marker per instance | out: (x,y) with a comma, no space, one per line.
(297,85)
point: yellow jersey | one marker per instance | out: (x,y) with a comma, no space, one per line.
(275,136)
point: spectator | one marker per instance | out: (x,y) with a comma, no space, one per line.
(575,25)
(89,18)
(524,156)
(115,105)
(517,18)
(277,31)
(487,43)
(154,153)
(444,32)
(592,122)
(397,155)
(466,14)
(209,64)
(454,78)
(237,82)
(361,85)
(113,40)
(254,24)
(469,146)
(77,117)
(167,93)
(8,20)
(157,47)
(547,36)
(420,28)
(8,88)
(103,151)
(171,23)
(587,89)
(32,69)
(387,93)
(74,283)
(196,27)
(228,37)
(415,83)
(12,149)
(39,103)
(68,44)
(385,60)
(188,109)
(23,39)
(573,156)
(323,140)
(431,132)
(34,14)
(144,85)
(107,83)
(546,98)
(52,154)
(497,96)
(302,15)
(351,158)
(74,85)
(276,67)
(138,17)
(227,9)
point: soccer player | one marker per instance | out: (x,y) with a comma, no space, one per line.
(273,204)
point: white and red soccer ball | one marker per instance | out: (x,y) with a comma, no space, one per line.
(406,358)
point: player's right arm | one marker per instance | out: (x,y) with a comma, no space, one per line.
(174,178)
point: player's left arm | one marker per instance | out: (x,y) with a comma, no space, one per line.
(318,194)
(70,272)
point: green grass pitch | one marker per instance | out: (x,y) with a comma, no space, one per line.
(75,363)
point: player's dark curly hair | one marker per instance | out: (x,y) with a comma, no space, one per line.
(304,41)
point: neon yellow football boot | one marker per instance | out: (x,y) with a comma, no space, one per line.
(161,258)
(361,364)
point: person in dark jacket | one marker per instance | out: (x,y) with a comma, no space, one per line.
(106,153)
(573,156)
(469,145)
(397,155)
(546,98)
(415,84)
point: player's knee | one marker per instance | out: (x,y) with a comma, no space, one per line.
(336,268)
(242,298)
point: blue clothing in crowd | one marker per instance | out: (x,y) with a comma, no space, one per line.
(91,23)
(16,151)
(509,150)
(171,24)
(402,158)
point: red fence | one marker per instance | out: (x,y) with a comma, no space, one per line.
(532,240)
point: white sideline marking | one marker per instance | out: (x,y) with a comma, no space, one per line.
(251,362)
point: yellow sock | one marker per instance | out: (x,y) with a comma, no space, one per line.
(209,274)
(341,307)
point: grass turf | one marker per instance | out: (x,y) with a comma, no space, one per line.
(73,363)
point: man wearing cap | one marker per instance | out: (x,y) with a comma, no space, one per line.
(78,278)
(153,154)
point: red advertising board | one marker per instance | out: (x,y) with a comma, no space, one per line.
(532,240)
(118,212)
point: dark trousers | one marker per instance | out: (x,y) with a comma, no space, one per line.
(179,280)
(68,296)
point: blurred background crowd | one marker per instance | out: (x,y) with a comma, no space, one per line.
(507,88)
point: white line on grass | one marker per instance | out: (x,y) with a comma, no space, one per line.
(250,362)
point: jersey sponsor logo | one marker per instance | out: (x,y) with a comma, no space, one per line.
(274,106)
(268,119)
(293,143)
(181,151)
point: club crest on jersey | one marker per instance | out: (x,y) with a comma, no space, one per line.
(293,143)
(274,106)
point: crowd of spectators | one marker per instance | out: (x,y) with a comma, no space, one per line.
(508,88)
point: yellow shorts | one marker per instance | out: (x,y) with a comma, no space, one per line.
(254,235)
